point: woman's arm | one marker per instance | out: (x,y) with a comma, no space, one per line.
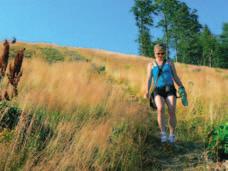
(148,80)
(175,76)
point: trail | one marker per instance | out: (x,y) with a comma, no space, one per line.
(183,155)
(188,153)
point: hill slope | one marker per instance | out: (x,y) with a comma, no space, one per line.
(82,109)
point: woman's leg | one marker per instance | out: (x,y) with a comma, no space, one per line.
(171,103)
(160,110)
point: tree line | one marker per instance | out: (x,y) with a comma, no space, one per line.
(191,42)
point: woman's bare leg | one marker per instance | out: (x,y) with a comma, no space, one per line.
(171,103)
(160,110)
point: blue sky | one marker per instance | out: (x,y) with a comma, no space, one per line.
(100,24)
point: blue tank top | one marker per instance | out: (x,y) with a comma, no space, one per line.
(166,77)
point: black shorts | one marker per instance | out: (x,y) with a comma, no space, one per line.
(165,91)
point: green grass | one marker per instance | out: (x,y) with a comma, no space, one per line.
(52,54)
(42,139)
(27,54)
(74,56)
(131,144)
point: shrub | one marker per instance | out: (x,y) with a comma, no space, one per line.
(9,115)
(52,55)
(74,56)
(27,54)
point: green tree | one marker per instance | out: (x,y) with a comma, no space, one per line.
(181,29)
(143,10)
(224,35)
(222,60)
(209,47)
(145,43)
(185,33)
(165,9)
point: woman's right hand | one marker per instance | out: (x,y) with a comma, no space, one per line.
(146,95)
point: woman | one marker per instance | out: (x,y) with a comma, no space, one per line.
(165,91)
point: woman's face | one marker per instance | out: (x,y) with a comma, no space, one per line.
(159,53)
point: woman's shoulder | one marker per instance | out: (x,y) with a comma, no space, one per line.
(151,65)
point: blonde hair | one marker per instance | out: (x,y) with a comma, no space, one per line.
(160,46)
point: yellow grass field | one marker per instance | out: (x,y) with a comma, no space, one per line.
(90,114)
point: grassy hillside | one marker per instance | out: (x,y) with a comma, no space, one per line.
(82,109)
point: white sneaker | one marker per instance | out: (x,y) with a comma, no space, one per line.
(171,139)
(163,137)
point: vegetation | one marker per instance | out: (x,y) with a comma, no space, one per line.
(90,115)
(191,42)
(52,54)
(142,11)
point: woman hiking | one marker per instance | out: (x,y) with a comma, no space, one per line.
(163,74)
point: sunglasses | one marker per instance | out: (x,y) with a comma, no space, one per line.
(160,53)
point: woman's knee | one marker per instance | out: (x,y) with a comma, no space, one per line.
(171,109)
(172,113)
(160,109)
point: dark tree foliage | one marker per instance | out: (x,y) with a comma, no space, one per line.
(209,46)
(182,33)
(142,11)
(222,60)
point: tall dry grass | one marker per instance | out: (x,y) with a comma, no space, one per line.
(89,119)
(88,107)
(206,87)
(127,69)
(4,57)
(209,84)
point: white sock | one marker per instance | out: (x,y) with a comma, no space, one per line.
(171,135)
(163,133)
